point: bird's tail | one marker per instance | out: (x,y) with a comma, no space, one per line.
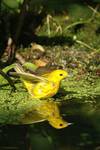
(18,68)
(20,71)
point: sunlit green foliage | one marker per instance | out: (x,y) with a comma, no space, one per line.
(12,4)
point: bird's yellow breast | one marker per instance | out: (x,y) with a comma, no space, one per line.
(45,89)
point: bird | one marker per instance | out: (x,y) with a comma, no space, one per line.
(44,86)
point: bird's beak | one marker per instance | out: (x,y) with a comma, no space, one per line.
(70,124)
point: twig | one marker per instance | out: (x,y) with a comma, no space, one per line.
(48,24)
(95,10)
(8,79)
(84,44)
(76,23)
(11,47)
(21,20)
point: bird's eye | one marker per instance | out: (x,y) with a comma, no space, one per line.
(61,124)
(61,74)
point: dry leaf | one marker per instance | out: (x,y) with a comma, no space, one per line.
(41,62)
(35,46)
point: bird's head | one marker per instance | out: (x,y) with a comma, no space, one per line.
(58,75)
(58,123)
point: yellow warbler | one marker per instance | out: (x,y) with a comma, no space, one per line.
(45,110)
(41,86)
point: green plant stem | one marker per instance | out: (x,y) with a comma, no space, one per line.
(76,23)
(84,44)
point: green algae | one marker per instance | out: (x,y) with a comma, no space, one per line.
(83,93)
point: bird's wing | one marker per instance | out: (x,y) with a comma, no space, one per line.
(28,76)
(46,75)
(31,77)
(32,117)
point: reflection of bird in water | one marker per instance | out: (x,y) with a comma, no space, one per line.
(45,110)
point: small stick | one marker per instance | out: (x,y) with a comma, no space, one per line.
(8,79)
(84,44)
